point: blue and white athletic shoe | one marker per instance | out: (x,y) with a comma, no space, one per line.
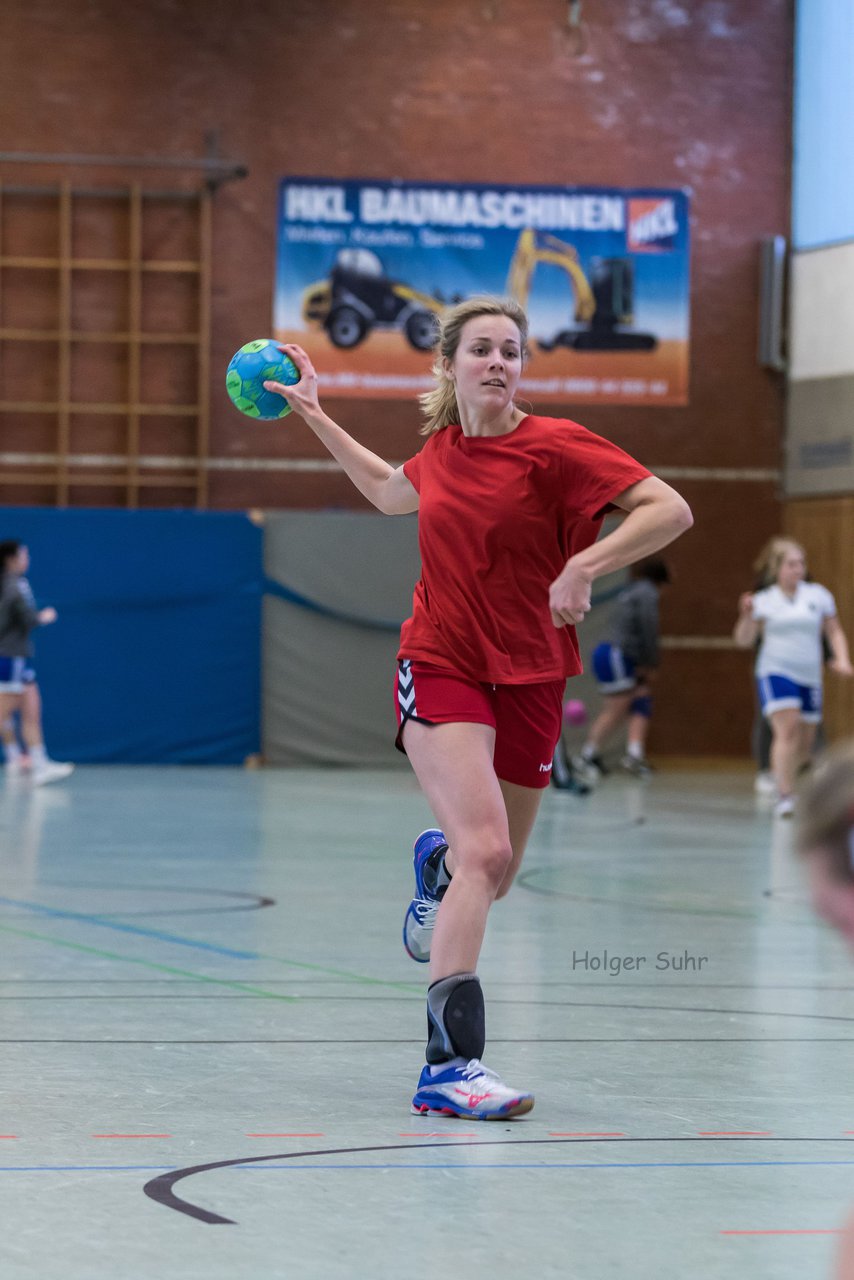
(471,1091)
(421,913)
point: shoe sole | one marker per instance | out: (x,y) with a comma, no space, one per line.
(419,887)
(417,860)
(519,1107)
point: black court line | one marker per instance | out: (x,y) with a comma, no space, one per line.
(600,1006)
(493,984)
(419,1040)
(161,1189)
(548,1004)
(744,909)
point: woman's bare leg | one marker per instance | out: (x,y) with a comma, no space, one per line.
(453,764)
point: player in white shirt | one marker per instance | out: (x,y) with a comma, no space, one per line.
(790,618)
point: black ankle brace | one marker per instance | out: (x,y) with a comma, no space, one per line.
(456,1022)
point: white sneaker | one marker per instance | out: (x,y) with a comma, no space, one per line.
(50,771)
(471,1091)
(764,784)
(785,807)
(587,770)
(637,766)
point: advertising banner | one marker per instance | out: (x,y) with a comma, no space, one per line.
(365,267)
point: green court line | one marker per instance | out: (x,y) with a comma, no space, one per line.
(343,973)
(150,964)
(222,982)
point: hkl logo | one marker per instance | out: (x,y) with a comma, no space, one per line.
(653,227)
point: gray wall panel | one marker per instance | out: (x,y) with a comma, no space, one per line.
(820,436)
(329,651)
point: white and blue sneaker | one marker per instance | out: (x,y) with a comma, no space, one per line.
(430,885)
(468,1090)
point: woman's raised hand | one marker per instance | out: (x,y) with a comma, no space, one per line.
(302,395)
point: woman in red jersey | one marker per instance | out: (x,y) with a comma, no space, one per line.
(509,506)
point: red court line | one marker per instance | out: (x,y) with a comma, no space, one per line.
(130,1135)
(800,1231)
(286,1135)
(735,1133)
(588,1135)
(8,1135)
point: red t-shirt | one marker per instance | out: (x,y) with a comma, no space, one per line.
(498,518)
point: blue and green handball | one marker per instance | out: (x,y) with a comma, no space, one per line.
(259,362)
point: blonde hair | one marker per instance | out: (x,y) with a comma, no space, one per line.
(827,812)
(439,406)
(766,566)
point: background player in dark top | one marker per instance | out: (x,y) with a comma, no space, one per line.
(626,665)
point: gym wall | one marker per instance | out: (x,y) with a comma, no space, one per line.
(683,94)
(819,442)
(155,657)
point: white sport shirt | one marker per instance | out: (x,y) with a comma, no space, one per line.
(791,635)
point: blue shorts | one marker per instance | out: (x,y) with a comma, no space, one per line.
(15,673)
(614,670)
(779,693)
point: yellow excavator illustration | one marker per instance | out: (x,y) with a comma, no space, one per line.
(604,305)
(358,296)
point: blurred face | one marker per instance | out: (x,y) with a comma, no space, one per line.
(487,364)
(832,898)
(19,563)
(792,569)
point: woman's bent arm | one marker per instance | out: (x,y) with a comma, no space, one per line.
(656,516)
(382,484)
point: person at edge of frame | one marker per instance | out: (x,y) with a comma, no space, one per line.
(825,839)
(19,689)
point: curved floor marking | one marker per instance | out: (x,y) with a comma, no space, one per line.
(161,1188)
(247,901)
(525,881)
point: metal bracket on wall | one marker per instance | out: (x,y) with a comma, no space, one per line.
(214,167)
(773,264)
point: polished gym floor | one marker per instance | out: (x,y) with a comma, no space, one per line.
(211,1033)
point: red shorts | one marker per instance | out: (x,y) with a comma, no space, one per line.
(526,718)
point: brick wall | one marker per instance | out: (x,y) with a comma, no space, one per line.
(666,94)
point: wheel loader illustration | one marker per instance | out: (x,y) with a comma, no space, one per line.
(604,304)
(358,296)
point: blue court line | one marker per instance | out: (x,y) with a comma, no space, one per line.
(106,923)
(473,1168)
(468,1168)
(54,913)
